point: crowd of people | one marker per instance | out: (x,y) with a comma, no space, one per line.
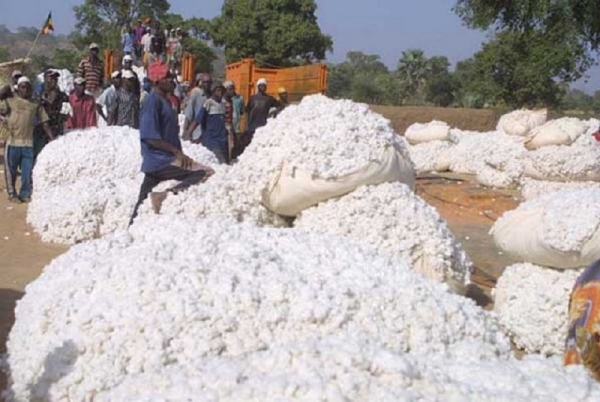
(31,116)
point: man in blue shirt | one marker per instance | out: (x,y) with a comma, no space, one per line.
(162,156)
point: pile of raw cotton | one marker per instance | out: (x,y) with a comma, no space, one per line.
(253,313)
(557,235)
(312,152)
(65,80)
(430,146)
(394,220)
(87,182)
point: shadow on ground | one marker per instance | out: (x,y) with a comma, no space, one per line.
(8,300)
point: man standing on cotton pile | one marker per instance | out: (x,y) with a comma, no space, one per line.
(83,107)
(125,110)
(195,101)
(21,114)
(128,66)
(92,69)
(258,108)
(162,155)
(109,95)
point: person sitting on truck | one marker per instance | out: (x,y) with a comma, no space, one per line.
(258,108)
(195,100)
(211,117)
(162,155)
(92,69)
(138,34)
(127,41)
(108,96)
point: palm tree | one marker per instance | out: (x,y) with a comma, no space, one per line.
(413,70)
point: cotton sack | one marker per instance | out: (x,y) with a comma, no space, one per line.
(556,132)
(418,133)
(520,122)
(293,190)
(559,230)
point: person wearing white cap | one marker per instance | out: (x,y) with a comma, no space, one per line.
(83,107)
(125,110)
(21,115)
(128,66)
(92,69)
(258,108)
(109,95)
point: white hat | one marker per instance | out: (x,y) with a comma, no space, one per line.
(115,74)
(94,46)
(228,84)
(79,80)
(262,81)
(23,80)
(16,73)
(127,74)
(127,58)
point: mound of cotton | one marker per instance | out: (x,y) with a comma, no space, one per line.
(560,230)
(87,183)
(418,133)
(564,163)
(532,305)
(531,188)
(391,218)
(477,151)
(432,156)
(327,138)
(520,122)
(343,368)
(145,299)
(563,131)
(65,80)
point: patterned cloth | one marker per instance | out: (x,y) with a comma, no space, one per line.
(93,74)
(582,344)
(125,111)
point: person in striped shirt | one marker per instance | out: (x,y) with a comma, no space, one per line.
(92,70)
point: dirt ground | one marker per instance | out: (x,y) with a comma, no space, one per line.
(469,209)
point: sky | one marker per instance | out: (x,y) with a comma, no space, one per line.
(383,27)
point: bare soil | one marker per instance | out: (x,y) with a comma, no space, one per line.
(469,209)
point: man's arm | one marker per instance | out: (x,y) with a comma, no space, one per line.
(81,69)
(198,121)
(43,116)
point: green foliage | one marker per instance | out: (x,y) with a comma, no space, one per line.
(194,40)
(440,90)
(66,59)
(101,21)
(274,32)
(4,54)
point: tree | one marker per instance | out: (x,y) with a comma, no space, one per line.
(101,21)
(4,54)
(572,23)
(413,70)
(194,40)
(275,32)
(66,58)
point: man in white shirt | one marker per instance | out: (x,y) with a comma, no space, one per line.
(109,95)
(147,45)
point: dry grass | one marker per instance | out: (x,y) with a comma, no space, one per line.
(464,119)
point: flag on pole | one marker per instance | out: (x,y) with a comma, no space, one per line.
(48,25)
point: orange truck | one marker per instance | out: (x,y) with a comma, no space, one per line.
(298,81)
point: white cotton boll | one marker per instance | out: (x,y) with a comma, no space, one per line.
(564,163)
(532,305)
(346,367)
(432,156)
(179,291)
(475,151)
(521,122)
(560,230)
(327,138)
(531,188)
(435,130)
(87,183)
(394,220)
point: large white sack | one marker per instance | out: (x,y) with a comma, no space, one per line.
(531,188)
(65,80)
(319,140)
(532,306)
(520,122)
(433,156)
(418,133)
(394,220)
(560,230)
(179,291)
(563,131)
(348,368)
(563,163)
(295,190)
